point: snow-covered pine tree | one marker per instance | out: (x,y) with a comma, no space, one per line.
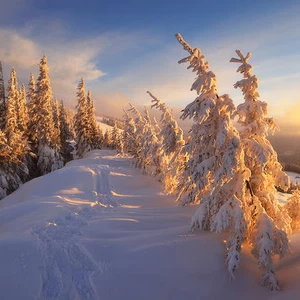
(49,158)
(269,223)
(120,147)
(65,134)
(139,123)
(32,114)
(293,208)
(22,112)
(4,148)
(94,137)
(5,177)
(151,154)
(81,124)
(129,138)
(115,136)
(107,141)
(13,135)
(171,136)
(56,123)
(13,170)
(71,121)
(100,137)
(2,99)
(216,164)
(171,133)
(32,133)
(211,114)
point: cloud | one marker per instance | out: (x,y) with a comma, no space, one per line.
(119,68)
(18,51)
(68,59)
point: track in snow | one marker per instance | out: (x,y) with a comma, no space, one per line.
(67,266)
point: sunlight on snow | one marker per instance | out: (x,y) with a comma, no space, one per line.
(72,191)
(51,223)
(130,206)
(76,201)
(120,174)
(122,219)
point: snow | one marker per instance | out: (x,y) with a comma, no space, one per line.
(294,177)
(99,229)
(104,127)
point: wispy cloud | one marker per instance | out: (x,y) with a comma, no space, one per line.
(69,59)
(137,69)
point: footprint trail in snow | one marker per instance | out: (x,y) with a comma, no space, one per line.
(67,265)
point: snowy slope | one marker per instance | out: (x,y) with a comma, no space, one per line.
(98,229)
(295,177)
(104,127)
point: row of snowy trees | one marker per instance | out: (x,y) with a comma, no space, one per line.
(34,130)
(231,173)
(89,136)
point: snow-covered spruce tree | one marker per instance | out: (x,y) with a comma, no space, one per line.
(56,122)
(151,151)
(5,177)
(49,158)
(32,114)
(22,112)
(100,137)
(2,99)
(82,128)
(71,121)
(293,208)
(14,137)
(269,222)
(32,133)
(115,137)
(139,123)
(215,172)
(171,133)
(13,169)
(120,147)
(129,138)
(107,141)
(211,115)
(65,134)
(94,136)
(172,142)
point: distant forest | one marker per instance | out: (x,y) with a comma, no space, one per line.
(288,150)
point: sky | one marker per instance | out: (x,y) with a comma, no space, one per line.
(124,48)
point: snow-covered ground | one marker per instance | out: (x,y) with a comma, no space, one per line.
(295,177)
(104,127)
(98,229)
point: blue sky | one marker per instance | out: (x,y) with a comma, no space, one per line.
(123,48)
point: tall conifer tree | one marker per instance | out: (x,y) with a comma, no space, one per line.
(2,99)
(49,158)
(32,113)
(82,122)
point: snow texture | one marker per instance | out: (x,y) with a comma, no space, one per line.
(98,229)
